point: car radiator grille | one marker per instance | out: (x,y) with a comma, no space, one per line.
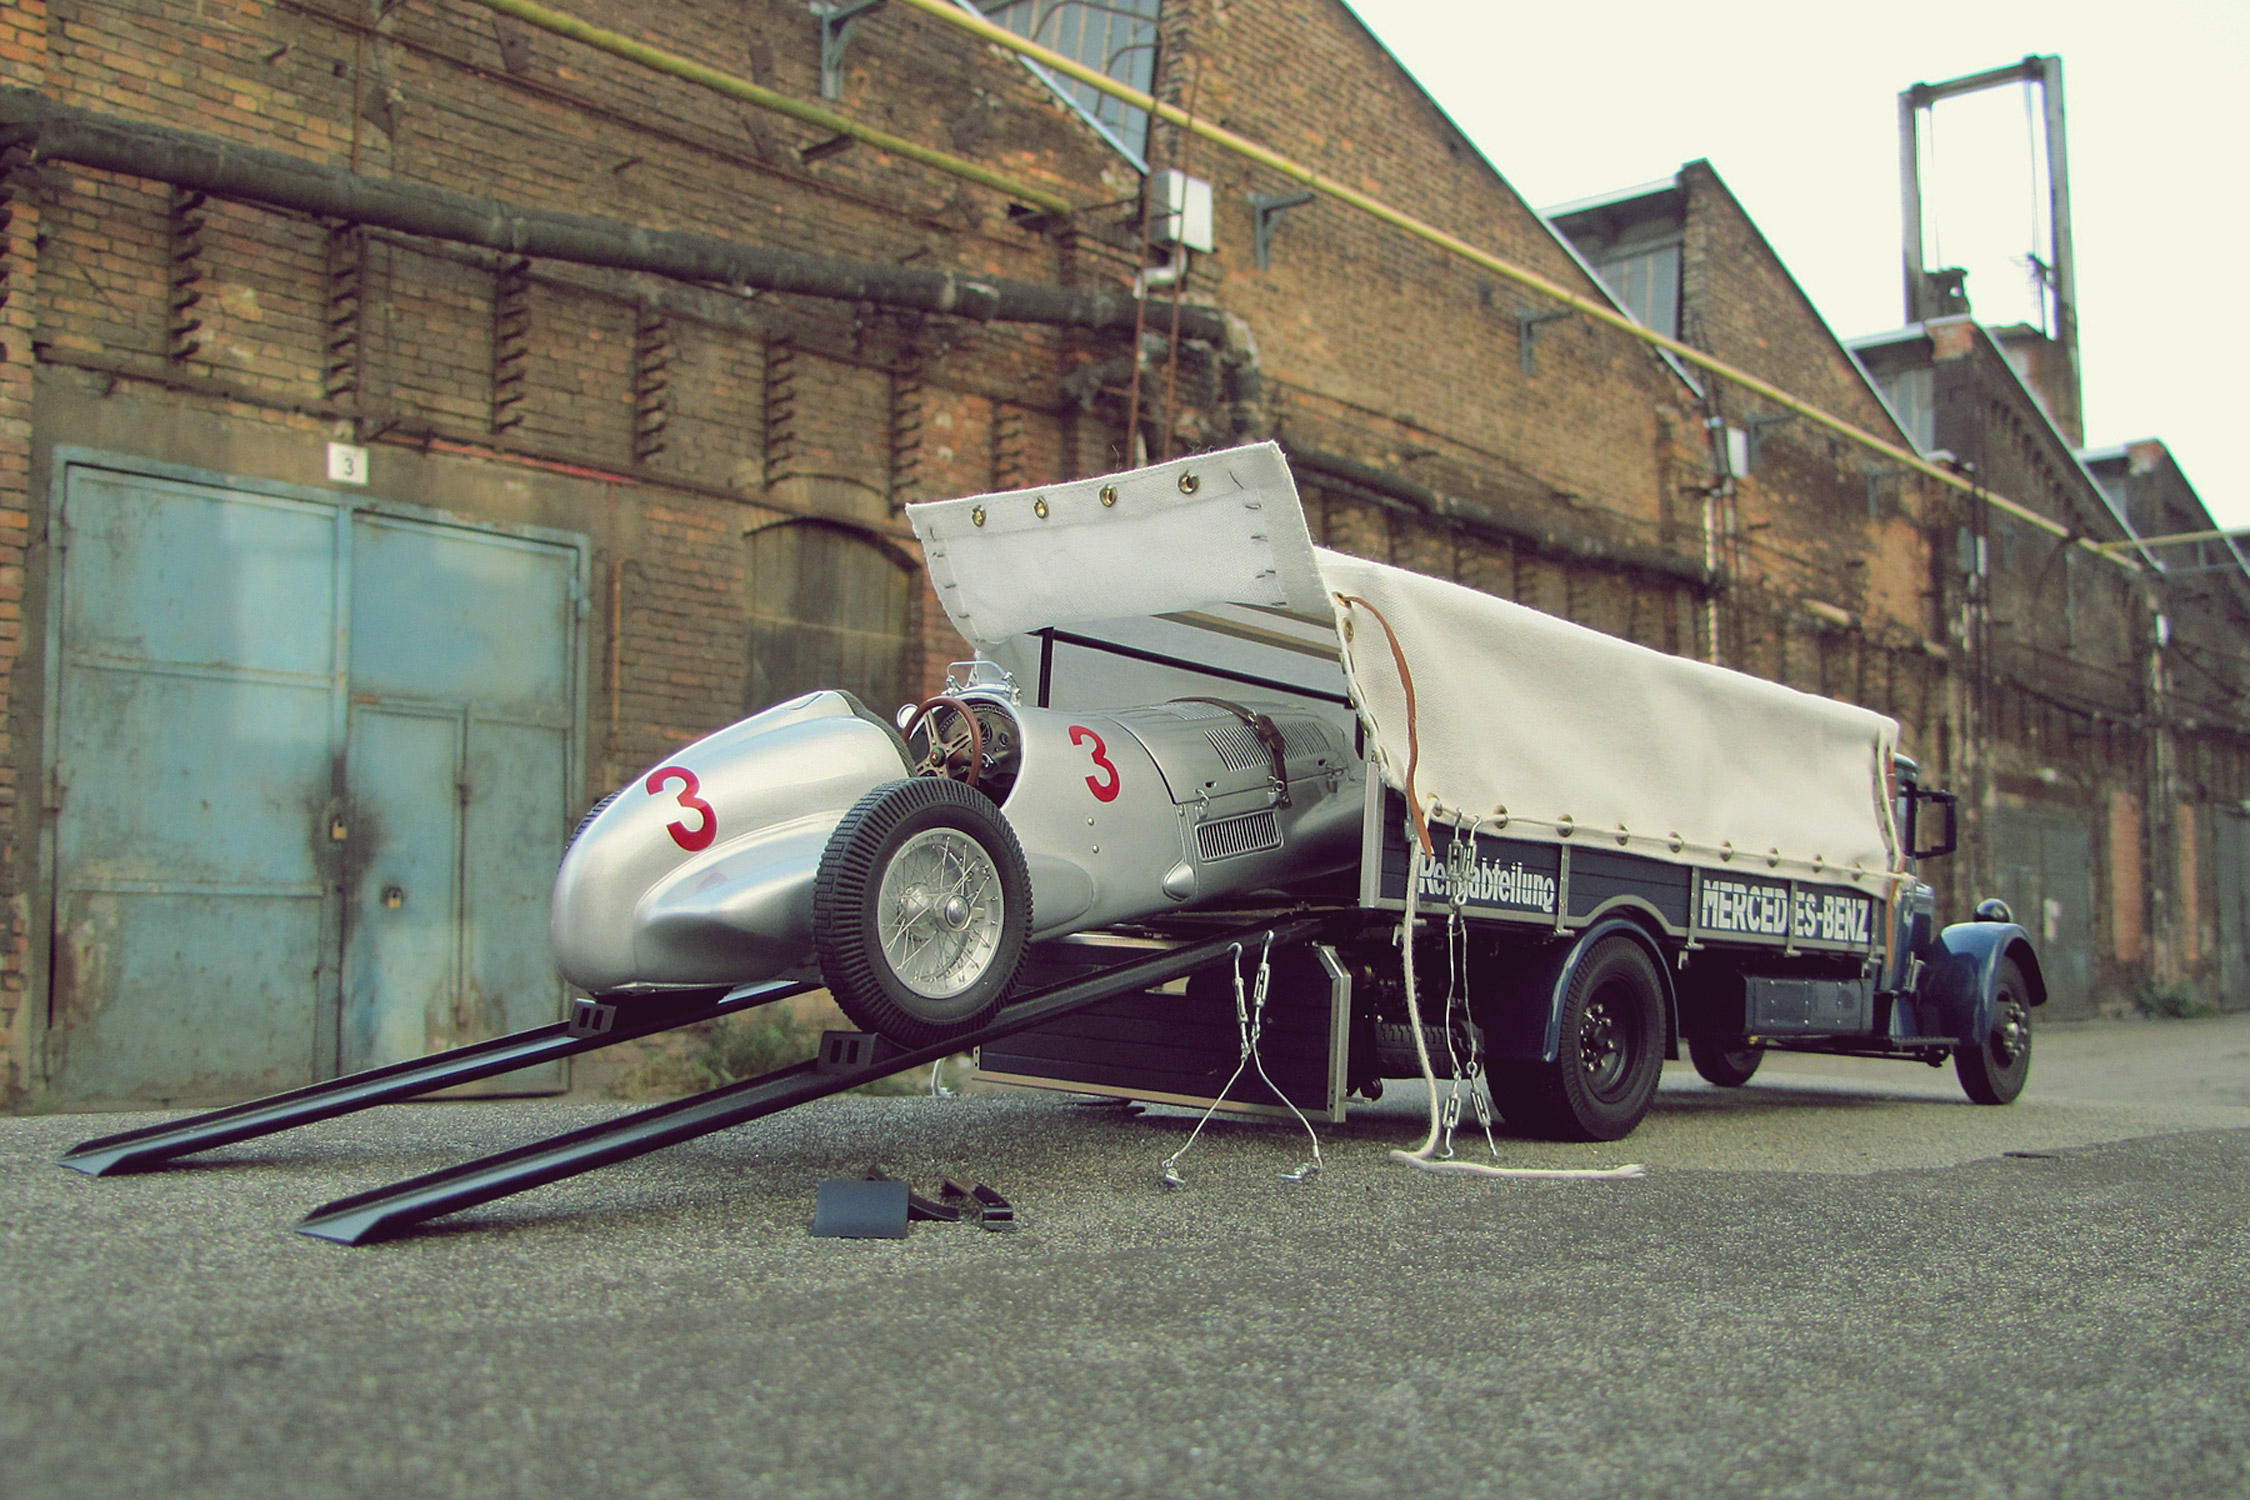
(1252,833)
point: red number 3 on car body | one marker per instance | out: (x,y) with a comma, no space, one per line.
(707,826)
(1104,791)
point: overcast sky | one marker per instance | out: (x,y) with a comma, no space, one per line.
(1795,103)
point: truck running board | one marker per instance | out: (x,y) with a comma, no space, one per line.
(591,1026)
(387,1211)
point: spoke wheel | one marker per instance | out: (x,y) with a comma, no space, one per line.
(1611,1050)
(939,912)
(920,911)
(1993,1068)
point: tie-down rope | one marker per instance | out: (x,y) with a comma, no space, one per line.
(1428,1156)
(1250,1023)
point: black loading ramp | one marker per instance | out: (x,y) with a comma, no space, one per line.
(154,1145)
(391,1210)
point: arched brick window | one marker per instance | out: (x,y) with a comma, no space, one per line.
(830,607)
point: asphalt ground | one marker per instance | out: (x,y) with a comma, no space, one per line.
(1835,1281)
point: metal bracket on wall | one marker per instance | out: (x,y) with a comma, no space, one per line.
(836,23)
(511,341)
(1756,427)
(183,337)
(652,384)
(1528,323)
(1266,210)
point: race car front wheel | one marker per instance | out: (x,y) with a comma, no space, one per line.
(920,911)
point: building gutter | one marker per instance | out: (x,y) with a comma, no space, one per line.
(251,174)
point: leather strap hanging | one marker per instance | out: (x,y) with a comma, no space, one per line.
(1269,735)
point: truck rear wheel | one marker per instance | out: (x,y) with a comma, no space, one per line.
(1609,1055)
(920,910)
(1728,1064)
(1992,1069)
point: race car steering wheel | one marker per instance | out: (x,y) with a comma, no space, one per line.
(956,753)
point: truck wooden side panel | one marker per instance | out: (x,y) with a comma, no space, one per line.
(1561,888)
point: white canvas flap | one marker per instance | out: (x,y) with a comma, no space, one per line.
(1216,528)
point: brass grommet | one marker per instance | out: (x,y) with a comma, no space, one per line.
(1039,507)
(976,517)
(1674,842)
(1189,484)
(1109,494)
(1566,825)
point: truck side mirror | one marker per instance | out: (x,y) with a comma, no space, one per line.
(1924,842)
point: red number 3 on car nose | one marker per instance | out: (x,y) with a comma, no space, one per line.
(707,822)
(1104,791)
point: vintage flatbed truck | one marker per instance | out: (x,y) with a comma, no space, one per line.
(1449,834)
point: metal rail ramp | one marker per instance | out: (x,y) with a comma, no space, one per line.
(847,1060)
(152,1146)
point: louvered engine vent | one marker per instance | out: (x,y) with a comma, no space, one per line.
(1239,748)
(1252,833)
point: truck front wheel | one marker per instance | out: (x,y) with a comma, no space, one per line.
(1992,1069)
(1609,1055)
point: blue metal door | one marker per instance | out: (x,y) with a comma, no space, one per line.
(2230,853)
(311,769)
(198,682)
(458,777)
(2045,868)
(402,911)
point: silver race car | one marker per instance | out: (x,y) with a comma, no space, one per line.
(909,865)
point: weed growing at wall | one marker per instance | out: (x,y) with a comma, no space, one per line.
(2172,999)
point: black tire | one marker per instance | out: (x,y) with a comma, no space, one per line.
(1728,1064)
(901,848)
(1611,1051)
(1993,1068)
(591,813)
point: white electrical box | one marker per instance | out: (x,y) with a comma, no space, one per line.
(1182,210)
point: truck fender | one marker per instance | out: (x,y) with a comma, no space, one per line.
(1522,1006)
(1963,968)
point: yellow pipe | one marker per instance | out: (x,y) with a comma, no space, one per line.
(2177,536)
(947,11)
(750,93)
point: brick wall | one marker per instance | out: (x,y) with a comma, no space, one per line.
(474,372)
(23,64)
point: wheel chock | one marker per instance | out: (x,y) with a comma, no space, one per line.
(980,1205)
(993,1211)
(917,1206)
(853,1208)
